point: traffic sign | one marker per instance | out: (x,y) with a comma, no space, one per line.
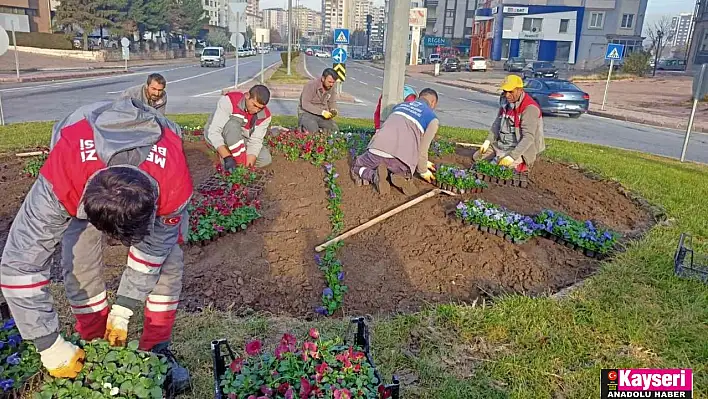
(4,41)
(125,53)
(237,40)
(125,42)
(341,36)
(614,52)
(341,70)
(339,55)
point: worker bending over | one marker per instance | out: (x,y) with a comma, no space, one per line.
(516,136)
(400,147)
(408,96)
(237,128)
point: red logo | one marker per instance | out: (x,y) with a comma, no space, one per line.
(173,221)
(612,375)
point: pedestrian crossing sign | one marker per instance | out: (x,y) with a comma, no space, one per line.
(614,52)
(341,36)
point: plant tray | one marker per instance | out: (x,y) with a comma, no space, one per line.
(563,241)
(204,243)
(253,190)
(688,263)
(460,190)
(361,338)
(519,180)
(495,232)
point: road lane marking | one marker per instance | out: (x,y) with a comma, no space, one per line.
(468,100)
(377,88)
(207,94)
(206,73)
(304,63)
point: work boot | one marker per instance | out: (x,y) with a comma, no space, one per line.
(178,375)
(357,180)
(406,185)
(381,180)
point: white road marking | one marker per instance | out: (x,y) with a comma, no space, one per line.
(207,94)
(468,100)
(304,63)
(377,88)
(206,73)
(361,81)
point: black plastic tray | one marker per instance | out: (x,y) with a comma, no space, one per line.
(361,339)
(688,263)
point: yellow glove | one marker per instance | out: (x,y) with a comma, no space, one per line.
(485,146)
(428,176)
(431,166)
(117,325)
(63,359)
(506,161)
(326,114)
(334,112)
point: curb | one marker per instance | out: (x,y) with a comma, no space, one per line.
(61,77)
(641,121)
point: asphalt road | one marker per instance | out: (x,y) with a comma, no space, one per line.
(193,89)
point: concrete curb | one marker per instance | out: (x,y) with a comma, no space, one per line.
(61,77)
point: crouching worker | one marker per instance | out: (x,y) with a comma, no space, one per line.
(115,169)
(516,136)
(400,147)
(237,128)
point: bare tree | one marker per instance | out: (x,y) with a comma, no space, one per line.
(660,28)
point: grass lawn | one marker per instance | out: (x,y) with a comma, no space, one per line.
(281,75)
(633,313)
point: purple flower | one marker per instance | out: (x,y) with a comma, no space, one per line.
(328,166)
(340,276)
(461,206)
(336,175)
(13,359)
(7,384)
(327,292)
(322,310)
(318,259)
(14,340)
(2,344)
(332,195)
(9,324)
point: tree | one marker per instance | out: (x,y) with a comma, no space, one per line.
(661,27)
(218,38)
(191,17)
(88,15)
(275,36)
(637,63)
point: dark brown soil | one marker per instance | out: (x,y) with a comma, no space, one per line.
(418,256)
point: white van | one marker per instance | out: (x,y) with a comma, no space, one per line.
(213,56)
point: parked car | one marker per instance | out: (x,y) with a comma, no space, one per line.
(309,51)
(557,96)
(540,69)
(671,65)
(213,56)
(514,64)
(451,64)
(477,63)
(322,54)
(434,59)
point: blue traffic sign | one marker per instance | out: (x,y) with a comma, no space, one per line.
(339,55)
(341,36)
(614,52)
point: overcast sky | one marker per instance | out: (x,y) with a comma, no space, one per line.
(656,8)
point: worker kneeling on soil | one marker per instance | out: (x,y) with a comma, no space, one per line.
(318,104)
(516,136)
(400,147)
(152,93)
(114,168)
(237,128)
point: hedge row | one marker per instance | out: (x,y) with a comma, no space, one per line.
(58,41)
(284,56)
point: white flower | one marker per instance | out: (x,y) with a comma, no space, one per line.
(114,391)
(107,385)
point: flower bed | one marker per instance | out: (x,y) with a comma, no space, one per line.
(33,166)
(575,234)
(312,147)
(19,360)
(493,173)
(192,133)
(111,372)
(314,368)
(495,220)
(458,180)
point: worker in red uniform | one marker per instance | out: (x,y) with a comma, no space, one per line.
(115,169)
(516,136)
(408,96)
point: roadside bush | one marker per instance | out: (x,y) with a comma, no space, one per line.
(57,41)
(284,56)
(637,63)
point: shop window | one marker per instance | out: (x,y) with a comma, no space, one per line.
(563,51)
(532,24)
(508,23)
(564,26)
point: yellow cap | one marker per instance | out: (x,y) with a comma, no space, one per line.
(512,82)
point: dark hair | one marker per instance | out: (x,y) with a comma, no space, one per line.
(156,77)
(428,92)
(120,201)
(260,93)
(329,72)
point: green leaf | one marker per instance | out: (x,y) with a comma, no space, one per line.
(133,345)
(141,392)
(111,356)
(126,387)
(156,393)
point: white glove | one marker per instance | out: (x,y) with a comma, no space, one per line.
(63,359)
(485,146)
(117,325)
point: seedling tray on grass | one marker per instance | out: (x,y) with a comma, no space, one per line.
(223,359)
(688,263)
(519,180)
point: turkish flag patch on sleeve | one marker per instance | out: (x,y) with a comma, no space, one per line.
(172,221)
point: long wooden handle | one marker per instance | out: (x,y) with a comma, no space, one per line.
(380,218)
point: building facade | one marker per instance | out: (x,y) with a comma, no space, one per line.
(276,18)
(25,15)
(307,21)
(698,52)
(680,29)
(377,28)
(563,31)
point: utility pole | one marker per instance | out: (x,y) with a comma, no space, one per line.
(395,58)
(290,33)
(657,50)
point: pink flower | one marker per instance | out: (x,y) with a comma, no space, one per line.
(288,339)
(232,396)
(266,391)
(305,388)
(289,394)
(280,350)
(236,365)
(314,334)
(284,387)
(253,347)
(342,394)
(311,349)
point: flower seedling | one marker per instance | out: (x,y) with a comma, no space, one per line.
(241,175)
(19,359)
(315,148)
(493,170)
(441,148)
(33,166)
(583,234)
(518,228)
(314,368)
(111,372)
(460,179)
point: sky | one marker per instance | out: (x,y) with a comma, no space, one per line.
(655,9)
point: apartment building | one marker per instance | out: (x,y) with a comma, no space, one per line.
(307,21)
(680,30)
(25,15)
(563,31)
(698,52)
(377,28)
(362,8)
(276,18)
(349,14)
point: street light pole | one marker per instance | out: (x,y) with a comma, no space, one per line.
(290,33)
(657,50)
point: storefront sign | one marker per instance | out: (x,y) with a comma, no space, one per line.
(516,10)
(434,41)
(530,35)
(418,17)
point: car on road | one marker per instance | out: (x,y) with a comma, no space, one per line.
(309,51)
(515,64)
(451,64)
(673,64)
(213,56)
(477,63)
(556,96)
(322,54)
(434,59)
(540,69)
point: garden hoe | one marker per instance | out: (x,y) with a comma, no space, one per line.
(383,217)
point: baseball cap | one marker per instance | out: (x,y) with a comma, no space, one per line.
(512,82)
(408,91)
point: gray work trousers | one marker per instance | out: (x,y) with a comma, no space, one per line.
(365,166)
(313,123)
(233,135)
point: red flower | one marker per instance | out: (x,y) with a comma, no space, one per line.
(311,349)
(253,347)
(321,368)
(284,387)
(289,394)
(305,388)
(266,390)
(383,392)
(342,394)
(236,365)
(314,334)
(320,149)
(232,396)
(288,339)
(280,350)
(357,368)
